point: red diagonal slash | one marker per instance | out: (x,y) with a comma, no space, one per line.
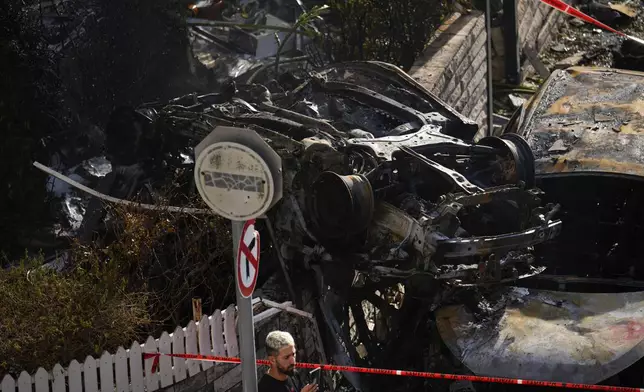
(249,255)
(244,249)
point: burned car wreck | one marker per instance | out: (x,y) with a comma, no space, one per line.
(584,128)
(381,176)
(582,320)
(389,208)
(382,184)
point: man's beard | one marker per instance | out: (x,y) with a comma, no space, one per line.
(289,371)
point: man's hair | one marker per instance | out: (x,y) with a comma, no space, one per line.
(277,340)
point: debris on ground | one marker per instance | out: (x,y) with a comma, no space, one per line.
(516,100)
(558,147)
(627,9)
(596,46)
(576,22)
(560,48)
(602,12)
(570,61)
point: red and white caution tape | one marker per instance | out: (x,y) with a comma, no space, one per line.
(404,373)
(572,11)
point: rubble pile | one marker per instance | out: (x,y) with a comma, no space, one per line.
(579,43)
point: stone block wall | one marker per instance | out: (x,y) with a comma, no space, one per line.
(454,65)
(536,31)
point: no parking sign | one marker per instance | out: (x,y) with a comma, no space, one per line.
(247,265)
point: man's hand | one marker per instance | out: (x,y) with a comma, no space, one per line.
(310,388)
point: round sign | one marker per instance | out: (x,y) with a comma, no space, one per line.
(248,259)
(234,181)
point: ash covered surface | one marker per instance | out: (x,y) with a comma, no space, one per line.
(580,43)
(587,121)
(584,127)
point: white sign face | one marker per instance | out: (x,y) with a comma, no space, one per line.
(248,259)
(234,181)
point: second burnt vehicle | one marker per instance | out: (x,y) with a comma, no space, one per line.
(585,128)
(582,320)
(388,202)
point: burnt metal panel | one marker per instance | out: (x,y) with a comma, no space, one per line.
(548,335)
(588,121)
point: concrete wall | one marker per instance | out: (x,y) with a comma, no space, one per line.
(454,64)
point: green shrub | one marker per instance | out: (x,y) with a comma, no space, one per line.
(135,281)
(172,256)
(50,317)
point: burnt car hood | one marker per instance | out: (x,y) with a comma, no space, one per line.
(587,121)
(548,336)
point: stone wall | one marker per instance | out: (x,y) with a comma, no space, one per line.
(538,23)
(454,65)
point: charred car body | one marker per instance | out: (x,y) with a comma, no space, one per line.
(389,183)
(386,195)
(584,127)
(395,212)
(582,320)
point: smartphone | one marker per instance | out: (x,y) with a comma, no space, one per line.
(314,376)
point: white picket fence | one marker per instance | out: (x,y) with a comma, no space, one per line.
(127,371)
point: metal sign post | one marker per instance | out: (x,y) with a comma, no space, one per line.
(246,327)
(240,177)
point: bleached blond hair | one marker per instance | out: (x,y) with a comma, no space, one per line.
(277,340)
